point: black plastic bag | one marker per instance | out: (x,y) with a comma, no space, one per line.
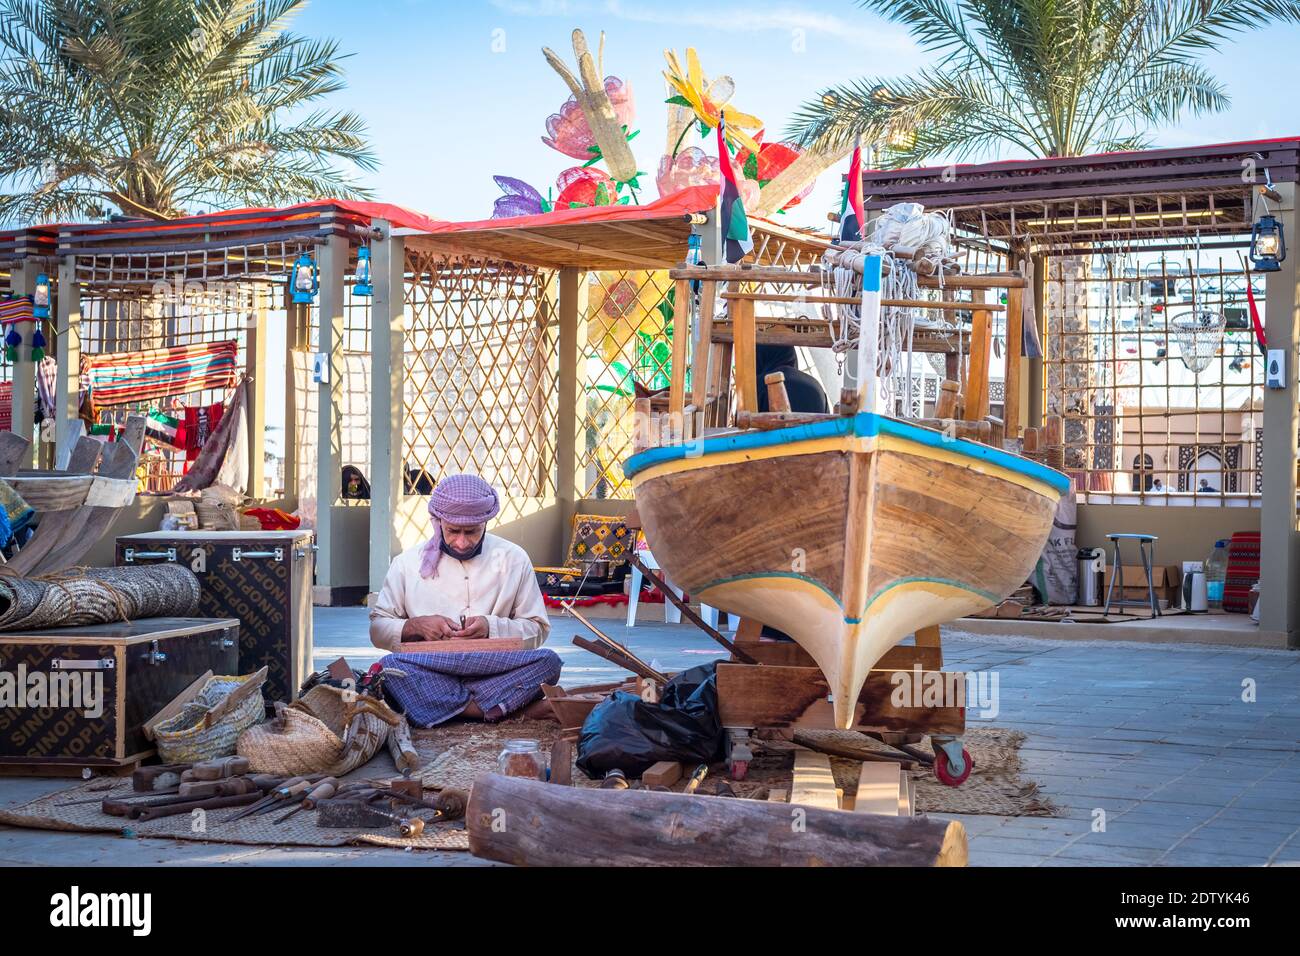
(625,733)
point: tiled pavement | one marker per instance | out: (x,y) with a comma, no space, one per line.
(1150,751)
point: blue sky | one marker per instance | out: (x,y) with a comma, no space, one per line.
(455,92)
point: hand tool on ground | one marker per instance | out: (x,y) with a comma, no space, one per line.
(697,778)
(217,769)
(163,776)
(189,806)
(284,796)
(359,815)
(321,791)
(230,787)
(614,780)
(273,797)
(133,807)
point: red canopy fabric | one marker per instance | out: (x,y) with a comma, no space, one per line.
(690,200)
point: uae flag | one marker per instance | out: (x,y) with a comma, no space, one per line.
(737,242)
(851,215)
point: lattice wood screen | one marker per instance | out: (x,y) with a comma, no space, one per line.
(481,365)
(1138,419)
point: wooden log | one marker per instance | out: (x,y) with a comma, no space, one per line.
(1031,445)
(1052,433)
(527,823)
(778,399)
(401,748)
(771,696)
(949,395)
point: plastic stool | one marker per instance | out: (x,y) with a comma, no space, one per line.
(1144,541)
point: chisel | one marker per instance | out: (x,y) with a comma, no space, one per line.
(189,806)
(321,791)
(271,798)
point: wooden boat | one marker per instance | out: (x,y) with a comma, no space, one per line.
(847,534)
(76,506)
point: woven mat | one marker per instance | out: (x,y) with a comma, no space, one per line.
(455,755)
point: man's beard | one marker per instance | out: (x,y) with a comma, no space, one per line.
(462,555)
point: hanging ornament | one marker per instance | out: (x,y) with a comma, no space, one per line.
(12,341)
(38,345)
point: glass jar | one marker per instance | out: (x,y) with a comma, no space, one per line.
(522,758)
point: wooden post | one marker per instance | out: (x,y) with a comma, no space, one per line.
(571,416)
(23,282)
(387,404)
(68,388)
(703,347)
(1279,596)
(681,336)
(255,369)
(1034,406)
(745,341)
(977,379)
(333,260)
(294,341)
(868,381)
(1013,353)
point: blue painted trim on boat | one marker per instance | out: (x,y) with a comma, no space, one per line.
(862,425)
(922,579)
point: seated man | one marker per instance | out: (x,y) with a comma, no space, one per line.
(463,584)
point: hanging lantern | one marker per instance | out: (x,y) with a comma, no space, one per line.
(363,286)
(1267,244)
(305,280)
(41,297)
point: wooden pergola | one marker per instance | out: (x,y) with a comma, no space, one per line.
(1150,200)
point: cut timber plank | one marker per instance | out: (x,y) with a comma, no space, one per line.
(529,823)
(881,789)
(772,696)
(663,774)
(778,796)
(814,784)
(745,356)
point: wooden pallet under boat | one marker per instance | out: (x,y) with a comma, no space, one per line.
(76,506)
(847,534)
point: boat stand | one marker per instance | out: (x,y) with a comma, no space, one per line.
(906,697)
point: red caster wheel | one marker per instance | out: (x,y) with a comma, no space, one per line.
(738,769)
(946,776)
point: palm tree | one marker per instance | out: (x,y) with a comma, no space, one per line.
(1049,77)
(156,105)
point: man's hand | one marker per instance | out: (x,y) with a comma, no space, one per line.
(431,627)
(476,629)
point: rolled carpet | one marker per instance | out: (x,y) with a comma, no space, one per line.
(97,596)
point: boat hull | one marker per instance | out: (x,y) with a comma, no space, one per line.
(846,538)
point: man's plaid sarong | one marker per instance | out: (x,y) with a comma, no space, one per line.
(439,686)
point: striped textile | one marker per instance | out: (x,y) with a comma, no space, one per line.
(47,384)
(439,686)
(1243,571)
(16,310)
(128,377)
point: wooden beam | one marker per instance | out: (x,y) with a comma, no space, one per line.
(881,789)
(977,377)
(1013,352)
(745,356)
(703,343)
(681,336)
(769,696)
(587,249)
(530,823)
(813,784)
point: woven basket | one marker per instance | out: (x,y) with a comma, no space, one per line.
(192,736)
(218,508)
(322,732)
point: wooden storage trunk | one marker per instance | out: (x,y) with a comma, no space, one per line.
(138,666)
(263,578)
